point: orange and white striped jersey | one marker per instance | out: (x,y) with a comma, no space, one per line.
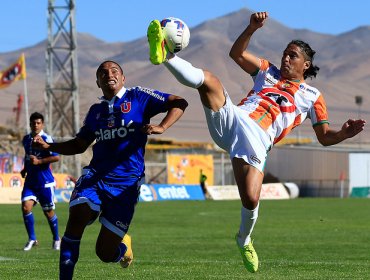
(279,105)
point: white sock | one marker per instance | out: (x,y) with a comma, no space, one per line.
(185,72)
(248,220)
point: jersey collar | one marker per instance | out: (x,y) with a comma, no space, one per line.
(118,95)
(40,133)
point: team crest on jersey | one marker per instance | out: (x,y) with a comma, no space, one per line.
(126,107)
(110,121)
(286,85)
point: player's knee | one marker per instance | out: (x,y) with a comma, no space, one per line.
(105,254)
(49,213)
(250,201)
(26,210)
(211,81)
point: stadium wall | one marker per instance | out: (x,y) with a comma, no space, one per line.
(321,172)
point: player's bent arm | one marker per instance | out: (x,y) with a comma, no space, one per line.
(176,107)
(327,136)
(71,147)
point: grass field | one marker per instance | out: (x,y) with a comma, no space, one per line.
(295,239)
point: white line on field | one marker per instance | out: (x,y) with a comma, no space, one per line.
(6,259)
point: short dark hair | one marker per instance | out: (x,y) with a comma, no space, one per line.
(101,66)
(309,54)
(36,116)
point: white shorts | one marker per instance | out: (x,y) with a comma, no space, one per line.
(234,131)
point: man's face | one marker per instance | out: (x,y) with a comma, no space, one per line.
(110,78)
(293,63)
(36,126)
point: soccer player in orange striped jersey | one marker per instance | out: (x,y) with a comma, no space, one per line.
(279,100)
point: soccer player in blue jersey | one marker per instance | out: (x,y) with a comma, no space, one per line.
(110,185)
(39,182)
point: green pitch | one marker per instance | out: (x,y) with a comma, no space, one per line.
(295,239)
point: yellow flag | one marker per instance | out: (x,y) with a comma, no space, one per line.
(15,72)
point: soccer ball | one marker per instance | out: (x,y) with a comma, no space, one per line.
(176,34)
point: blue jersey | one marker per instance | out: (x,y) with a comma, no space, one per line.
(115,125)
(37,175)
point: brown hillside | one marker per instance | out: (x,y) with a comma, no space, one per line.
(343,60)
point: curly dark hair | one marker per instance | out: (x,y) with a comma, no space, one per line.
(309,54)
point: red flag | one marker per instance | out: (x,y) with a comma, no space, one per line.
(14,73)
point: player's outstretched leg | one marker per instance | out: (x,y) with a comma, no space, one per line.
(128,257)
(249,255)
(157,49)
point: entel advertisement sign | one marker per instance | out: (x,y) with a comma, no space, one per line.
(170,192)
(155,192)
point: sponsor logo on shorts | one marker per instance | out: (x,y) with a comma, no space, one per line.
(122,225)
(254,158)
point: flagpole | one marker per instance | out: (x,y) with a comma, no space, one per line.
(24,76)
(26,105)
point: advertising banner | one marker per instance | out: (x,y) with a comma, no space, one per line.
(10,195)
(186,169)
(160,192)
(62,195)
(12,180)
(360,192)
(230,192)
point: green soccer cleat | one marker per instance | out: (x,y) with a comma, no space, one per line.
(157,49)
(249,256)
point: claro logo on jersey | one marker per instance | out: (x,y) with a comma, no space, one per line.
(108,134)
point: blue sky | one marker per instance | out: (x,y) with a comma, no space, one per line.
(24,22)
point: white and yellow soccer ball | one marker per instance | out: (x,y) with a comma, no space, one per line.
(176,34)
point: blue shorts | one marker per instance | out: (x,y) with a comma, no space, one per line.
(42,194)
(116,204)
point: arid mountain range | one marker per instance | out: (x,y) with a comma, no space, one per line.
(344,62)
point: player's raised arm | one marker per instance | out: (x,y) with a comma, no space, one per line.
(239,53)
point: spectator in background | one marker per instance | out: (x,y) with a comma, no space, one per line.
(202,181)
(39,183)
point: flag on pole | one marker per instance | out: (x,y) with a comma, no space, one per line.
(15,72)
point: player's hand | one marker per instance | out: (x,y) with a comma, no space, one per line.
(34,160)
(23,173)
(258,19)
(39,143)
(353,127)
(152,129)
